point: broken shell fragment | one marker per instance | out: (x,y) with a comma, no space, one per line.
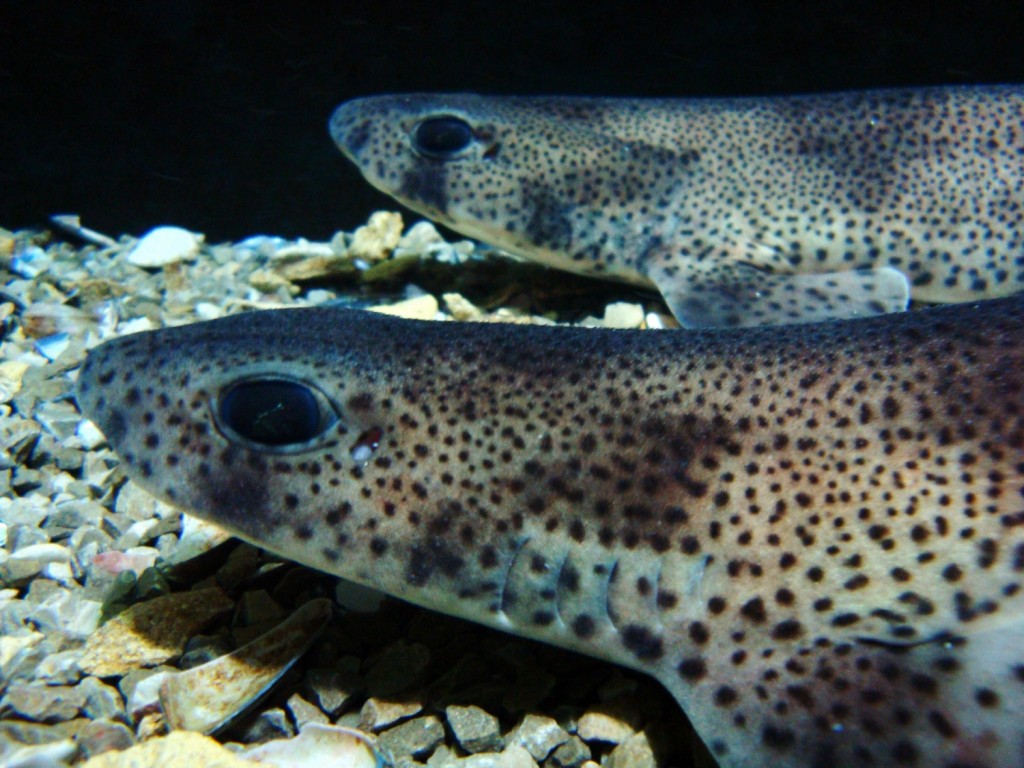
(210,697)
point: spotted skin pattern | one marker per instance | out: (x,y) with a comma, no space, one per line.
(813,535)
(741,211)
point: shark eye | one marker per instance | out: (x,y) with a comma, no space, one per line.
(274,412)
(441,137)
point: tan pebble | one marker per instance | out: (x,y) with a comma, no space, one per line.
(421,308)
(268,282)
(163,246)
(623,315)
(598,726)
(150,633)
(634,752)
(461,307)
(180,749)
(378,238)
(314,267)
(11,374)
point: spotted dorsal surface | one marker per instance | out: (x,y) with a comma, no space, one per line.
(741,211)
(813,535)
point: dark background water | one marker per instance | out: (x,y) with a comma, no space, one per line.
(212,115)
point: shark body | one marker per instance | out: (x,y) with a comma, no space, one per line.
(813,535)
(740,211)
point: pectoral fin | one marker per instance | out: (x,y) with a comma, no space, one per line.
(726,295)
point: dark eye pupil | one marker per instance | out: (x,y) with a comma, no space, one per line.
(442,136)
(271,412)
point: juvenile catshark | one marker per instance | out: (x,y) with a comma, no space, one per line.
(813,535)
(741,211)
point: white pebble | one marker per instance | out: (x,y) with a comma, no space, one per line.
(89,435)
(165,245)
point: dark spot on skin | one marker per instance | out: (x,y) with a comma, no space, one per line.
(641,642)
(754,610)
(692,669)
(427,182)
(777,738)
(425,560)
(583,626)
(549,225)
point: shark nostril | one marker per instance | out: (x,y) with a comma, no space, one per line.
(442,137)
(273,412)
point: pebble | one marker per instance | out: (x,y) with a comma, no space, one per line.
(179,749)
(378,714)
(420,308)
(540,735)
(417,737)
(376,240)
(101,735)
(163,246)
(397,668)
(475,729)
(268,725)
(333,687)
(304,713)
(42,703)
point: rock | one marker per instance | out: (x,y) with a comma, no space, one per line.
(417,737)
(101,700)
(539,735)
(378,714)
(179,749)
(11,374)
(634,752)
(474,729)
(305,713)
(165,245)
(54,753)
(333,687)
(99,736)
(268,725)
(151,633)
(319,746)
(420,308)
(571,753)
(43,703)
(460,307)
(376,240)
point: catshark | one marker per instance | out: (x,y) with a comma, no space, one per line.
(812,535)
(740,211)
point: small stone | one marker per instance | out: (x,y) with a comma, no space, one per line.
(165,245)
(11,374)
(179,749)
(305,713)
(378,714)
(99,736)
(397,668)
(420,308)
(151,633)
(417,737)
(474,729)
(571,753)
(101,700)
(60,668)
(514,756)
(43,703)
(270,724)
(270,282)
(540,735)
(634,752)
(596,725)
(623,315)
(333,687)
(53,753)
(420,238)
(376,240)
(460,307)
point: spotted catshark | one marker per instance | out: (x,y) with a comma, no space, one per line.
(741,211)
(813,534)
